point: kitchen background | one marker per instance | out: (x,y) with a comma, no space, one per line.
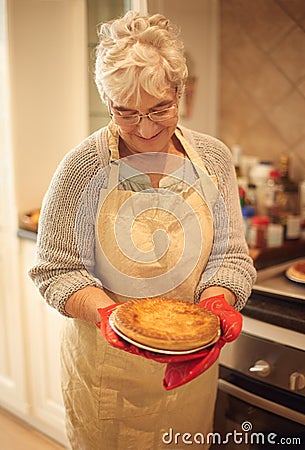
(247,66)
(262,79)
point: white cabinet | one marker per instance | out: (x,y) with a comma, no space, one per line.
(30,360)
(12,358)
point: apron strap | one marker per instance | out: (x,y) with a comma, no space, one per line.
(114,175)
(113,140)
(191,153)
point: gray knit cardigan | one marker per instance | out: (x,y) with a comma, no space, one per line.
(60,269)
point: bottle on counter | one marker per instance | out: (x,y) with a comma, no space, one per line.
(242,196)
(258,175)
(287,182)
(302,209)
(248,212)
(302,199)
(275,235)
(237,152)
(269,197)
(259,172)
(251,195)
(258,232)
(242,181)
(289,202)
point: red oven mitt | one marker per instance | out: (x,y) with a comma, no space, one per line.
(181,369)
(179,373)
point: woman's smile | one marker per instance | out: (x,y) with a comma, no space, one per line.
(150,139)
(149,135)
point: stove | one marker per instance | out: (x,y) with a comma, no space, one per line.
(262,373)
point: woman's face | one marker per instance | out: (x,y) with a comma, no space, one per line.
(147,135)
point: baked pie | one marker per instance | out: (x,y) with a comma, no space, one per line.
(167,324)
(296,271)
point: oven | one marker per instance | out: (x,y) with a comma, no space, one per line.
(261,395)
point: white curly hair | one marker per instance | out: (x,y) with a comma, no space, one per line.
(138,51)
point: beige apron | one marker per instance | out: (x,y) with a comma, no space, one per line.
(115,400)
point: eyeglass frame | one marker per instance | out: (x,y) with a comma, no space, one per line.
(141,116)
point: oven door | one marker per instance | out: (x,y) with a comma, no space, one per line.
(253,415)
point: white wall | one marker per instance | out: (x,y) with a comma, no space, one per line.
(48,77)
(198,21)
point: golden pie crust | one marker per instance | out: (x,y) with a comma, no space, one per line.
(297,271)
(166,324)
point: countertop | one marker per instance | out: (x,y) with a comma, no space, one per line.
(270,256)
(27,234)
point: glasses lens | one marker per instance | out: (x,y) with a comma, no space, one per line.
(165,114)
(126,120)
(156,116)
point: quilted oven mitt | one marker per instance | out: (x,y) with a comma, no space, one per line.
(181,369)
(181,372)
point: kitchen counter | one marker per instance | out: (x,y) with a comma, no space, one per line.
(270,256)
(26,234)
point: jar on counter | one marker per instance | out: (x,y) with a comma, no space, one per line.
(259,173)
(258,232)
(302,200)
(275,235)
(292,226)
(302,209)
(248,212)
(302,235)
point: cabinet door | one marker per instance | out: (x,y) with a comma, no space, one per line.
(12,362)
(42,331)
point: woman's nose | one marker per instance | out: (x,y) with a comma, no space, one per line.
(147,128)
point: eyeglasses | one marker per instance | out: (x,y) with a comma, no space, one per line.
(155,116)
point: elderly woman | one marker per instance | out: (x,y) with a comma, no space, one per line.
(109,196)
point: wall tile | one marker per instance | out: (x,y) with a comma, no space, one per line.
(302,24)
(237,113)
(294,8)
(262,78)
(289,116)
(301,87)
(297,158)
(242,58)
(263,20)
(289,55)
(263,141)
(267,85)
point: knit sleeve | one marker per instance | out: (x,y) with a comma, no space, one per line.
(60,269)
(229,265)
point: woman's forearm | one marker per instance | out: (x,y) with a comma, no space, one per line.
(84,303)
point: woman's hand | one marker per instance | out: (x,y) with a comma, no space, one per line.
(218,290)
(84,304)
